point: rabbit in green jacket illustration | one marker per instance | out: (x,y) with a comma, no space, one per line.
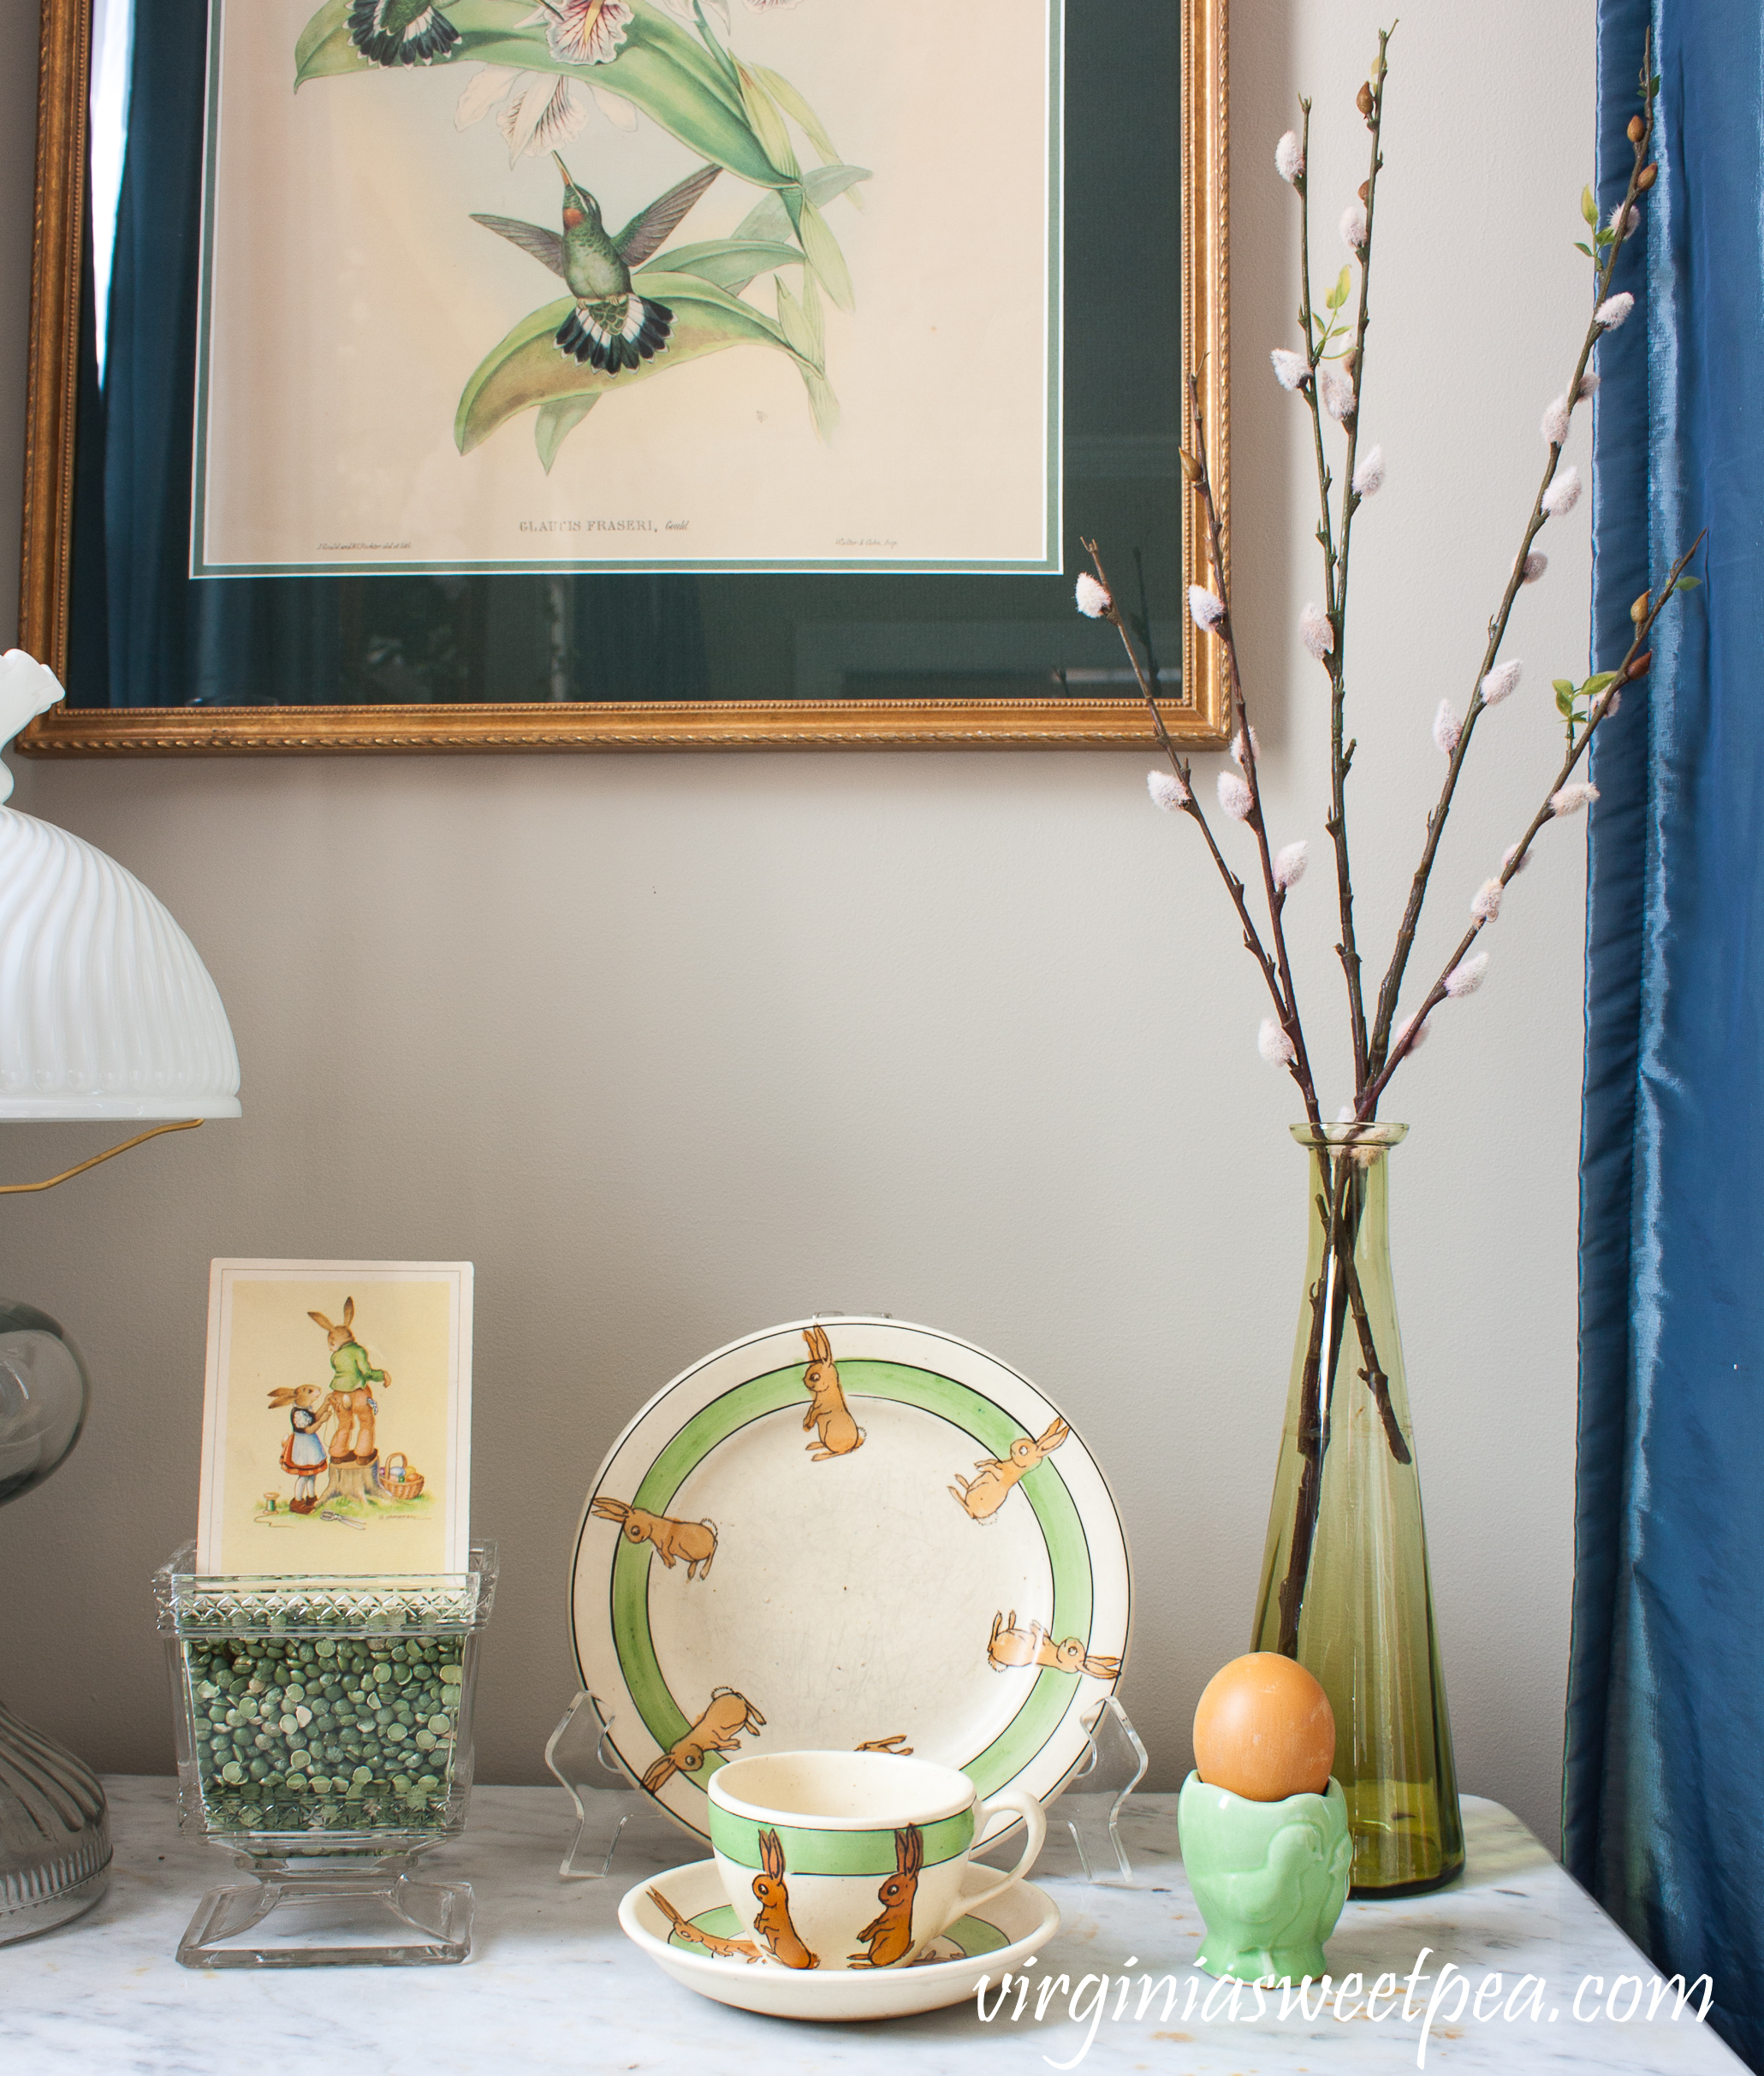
(353,1440)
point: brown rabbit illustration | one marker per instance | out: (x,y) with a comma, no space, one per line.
(694,1540)
(773,1924)
(725,1716)
(828,1414)
(353,1403)
(983,1496)
(896,1746)
(1010,1647)
(727,1949)
(889,1934)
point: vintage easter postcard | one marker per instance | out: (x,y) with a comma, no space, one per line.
(336,1420)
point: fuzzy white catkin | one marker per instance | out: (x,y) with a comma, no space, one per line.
(1336,390)
(1368,473)
(1290,862)
(1167,791)
(1447,729)
(1093,600)
(1238,757)
(1234,795)
(1289,368)
(1205,608)
(1533,567)
(1589,385)
(1554,425)
(1315,632)
(1354,226)
(1564,494)
(1632,214)
(1467,978)
(1509,854)
(1571,798)
(1613,310)
(1289,158)
(1274,1045)
(1485,903)
(1420,1038)
(1502,682)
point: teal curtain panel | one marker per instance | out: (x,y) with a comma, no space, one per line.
(1664,1796)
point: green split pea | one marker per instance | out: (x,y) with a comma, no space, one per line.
(315,1734)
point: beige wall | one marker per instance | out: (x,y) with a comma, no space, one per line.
(674,1046)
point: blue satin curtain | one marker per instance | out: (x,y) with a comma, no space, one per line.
(1664,1796)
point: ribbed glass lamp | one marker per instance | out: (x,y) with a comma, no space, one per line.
(106,1013)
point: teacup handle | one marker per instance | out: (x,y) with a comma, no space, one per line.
(1035,1823)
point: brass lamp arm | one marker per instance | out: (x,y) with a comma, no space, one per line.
(25,1188)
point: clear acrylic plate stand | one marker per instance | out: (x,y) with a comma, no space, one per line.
(610,1810)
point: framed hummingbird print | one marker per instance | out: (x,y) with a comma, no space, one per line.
(497,374)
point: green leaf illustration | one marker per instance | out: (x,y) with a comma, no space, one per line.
(731,263)
(660,68)
(1564,697)
(1588,208)
(556,421)
(769,219)
(824,255)
(1595,685)
(768,125)
(799,111)
(1563,684)
(1580,246)
(1338,295)
(524,370)
(1687,583)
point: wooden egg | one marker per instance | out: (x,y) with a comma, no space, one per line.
(1264,1729)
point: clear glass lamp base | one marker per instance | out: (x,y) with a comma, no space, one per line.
(336,1914)
(55,1835)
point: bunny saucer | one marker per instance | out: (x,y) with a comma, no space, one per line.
(682,1921)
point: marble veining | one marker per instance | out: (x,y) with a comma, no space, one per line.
(553,1983)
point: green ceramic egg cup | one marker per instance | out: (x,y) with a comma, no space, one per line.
(1269,1878)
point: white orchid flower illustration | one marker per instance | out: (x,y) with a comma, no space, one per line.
(536,111)
(582,32)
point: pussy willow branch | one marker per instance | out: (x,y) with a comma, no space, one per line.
(1392,982)
(1286,1014)
(1341,757)
(1634,666)
(1245,746)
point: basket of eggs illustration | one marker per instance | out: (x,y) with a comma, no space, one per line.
(1264,1827)
(399,1478)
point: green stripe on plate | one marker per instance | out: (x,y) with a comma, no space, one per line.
(1062,1530)
(813,1851)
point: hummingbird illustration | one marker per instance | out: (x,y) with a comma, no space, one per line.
(612,326)
(401,31)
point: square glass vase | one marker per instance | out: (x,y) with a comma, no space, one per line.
(324,1729)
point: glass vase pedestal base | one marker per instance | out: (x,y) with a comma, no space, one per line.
(338,1915)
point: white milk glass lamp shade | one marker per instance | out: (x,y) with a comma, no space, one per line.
(106,1009)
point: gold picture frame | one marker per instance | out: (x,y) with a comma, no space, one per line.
(1196,718)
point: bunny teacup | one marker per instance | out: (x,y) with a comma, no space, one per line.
(853,1859)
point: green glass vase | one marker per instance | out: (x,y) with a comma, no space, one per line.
(1345,1585)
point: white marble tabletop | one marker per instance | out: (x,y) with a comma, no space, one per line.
(553,1983)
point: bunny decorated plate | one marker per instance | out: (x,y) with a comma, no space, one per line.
(849,1532)
(682,1921)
